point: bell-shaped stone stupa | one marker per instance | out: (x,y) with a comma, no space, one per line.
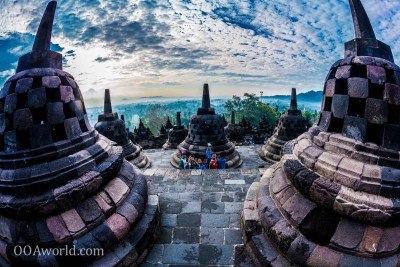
(290,125)
(115,129)
(207,127)
(63,185)
(334,201)
(176,135)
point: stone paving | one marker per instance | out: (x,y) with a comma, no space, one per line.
(200,211)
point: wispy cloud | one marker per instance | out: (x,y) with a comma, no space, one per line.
(163,47)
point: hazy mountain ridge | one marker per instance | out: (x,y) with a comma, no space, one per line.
(310,96)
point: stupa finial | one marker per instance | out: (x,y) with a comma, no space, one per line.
(43,35)
(107,102)
(41,56)
(365,43)
(362,25)
(206,97)
(293,100)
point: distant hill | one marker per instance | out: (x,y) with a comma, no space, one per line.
(310,96)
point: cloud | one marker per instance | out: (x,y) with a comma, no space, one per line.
(235,44)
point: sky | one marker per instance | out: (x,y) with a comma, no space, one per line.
(171,47)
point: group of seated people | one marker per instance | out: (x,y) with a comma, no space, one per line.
(213,161)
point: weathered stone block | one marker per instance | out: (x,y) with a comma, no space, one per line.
(5,90)
(355,127)
(357,87)
(372,236)
(323,256)
(3,123)
(72,128)
(66,93)
(348,235)
(71,82)
(351,167)
(51,81)
(376,111)
(22,119)
(324,192)
(73,221)
(90,212)
(325,120)
(392,94)
(55,113)
(376,74)
(390,240)
(40,135)
(104,202)
(77,108)
(340,104)
(10,141)
(37,97)
(58,229)
(11,103)
(300,250)
(119,225)
(327,164)
(298,207)
(330,87)
(391,136)
(117,190)
(343,72)
(23,85)
(304,180)
(371,173)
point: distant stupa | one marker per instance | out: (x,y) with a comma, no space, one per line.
(176,135)
(115,129)
(207,127)
(290,125)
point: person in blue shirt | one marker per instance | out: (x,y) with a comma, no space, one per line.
(209,153)
(200,164)
(221,162)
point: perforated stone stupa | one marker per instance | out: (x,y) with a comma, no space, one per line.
(61,182)
(334,201)
(176,135)
(290,125)
(115,129)
(234,132)
(207,127)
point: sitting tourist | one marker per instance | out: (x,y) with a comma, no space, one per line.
(182,161)
(191,163)
(221,162)
(201,165)
(213,165)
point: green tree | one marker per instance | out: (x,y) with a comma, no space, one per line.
(155,116)
(251,108)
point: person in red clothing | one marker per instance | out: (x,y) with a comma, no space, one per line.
(213,163)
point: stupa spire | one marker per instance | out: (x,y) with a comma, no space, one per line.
(107,102)
(362,25)
(43,35)
(206,97)
(293,100)
(41,56)
(365,43)
(178,119)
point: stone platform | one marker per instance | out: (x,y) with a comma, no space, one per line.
(200,212)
